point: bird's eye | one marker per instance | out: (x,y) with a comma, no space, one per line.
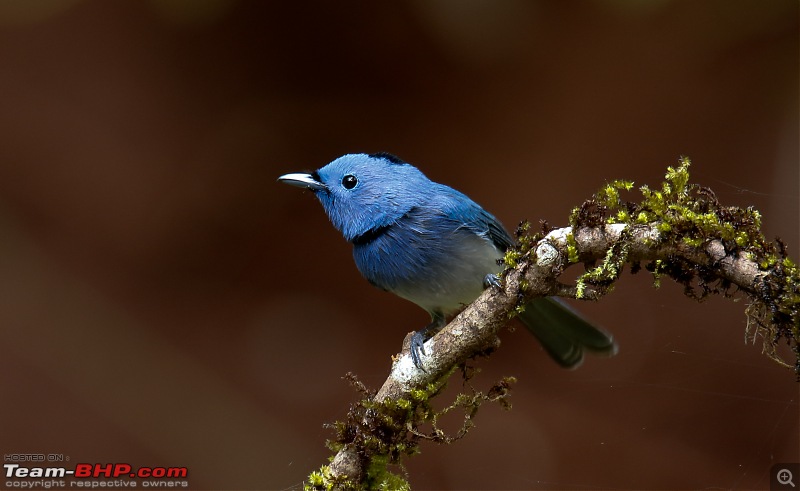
(349,181)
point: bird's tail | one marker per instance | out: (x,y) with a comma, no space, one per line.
(563,333)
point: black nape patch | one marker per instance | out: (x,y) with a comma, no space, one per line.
(387,156)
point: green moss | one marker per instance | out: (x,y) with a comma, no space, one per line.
(580,288)
(657,268)
(379,477)
(603,275)
(572,249)
(384,432)
(525,241)
(609,195)
(690,216)
(323,480)
(316,480)
(511,257)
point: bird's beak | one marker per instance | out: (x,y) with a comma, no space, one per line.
(303,181)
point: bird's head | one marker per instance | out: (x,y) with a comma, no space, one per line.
(362,192)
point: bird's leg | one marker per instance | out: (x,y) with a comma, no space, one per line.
(437,322)
(418,338)
(491,280)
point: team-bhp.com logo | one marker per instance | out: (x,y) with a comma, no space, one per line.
(94,476)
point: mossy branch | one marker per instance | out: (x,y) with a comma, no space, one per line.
(680,231)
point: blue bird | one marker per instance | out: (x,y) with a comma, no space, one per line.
(432,245)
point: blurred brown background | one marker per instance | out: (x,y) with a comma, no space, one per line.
(165,302)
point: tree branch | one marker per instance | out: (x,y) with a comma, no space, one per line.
(687,236)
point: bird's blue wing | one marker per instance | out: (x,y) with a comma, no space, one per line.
(459,207)
(497,234)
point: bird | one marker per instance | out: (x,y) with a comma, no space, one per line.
(434,246)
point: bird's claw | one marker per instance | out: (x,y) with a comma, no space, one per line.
(417,348)
(418,339)
(491,280)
